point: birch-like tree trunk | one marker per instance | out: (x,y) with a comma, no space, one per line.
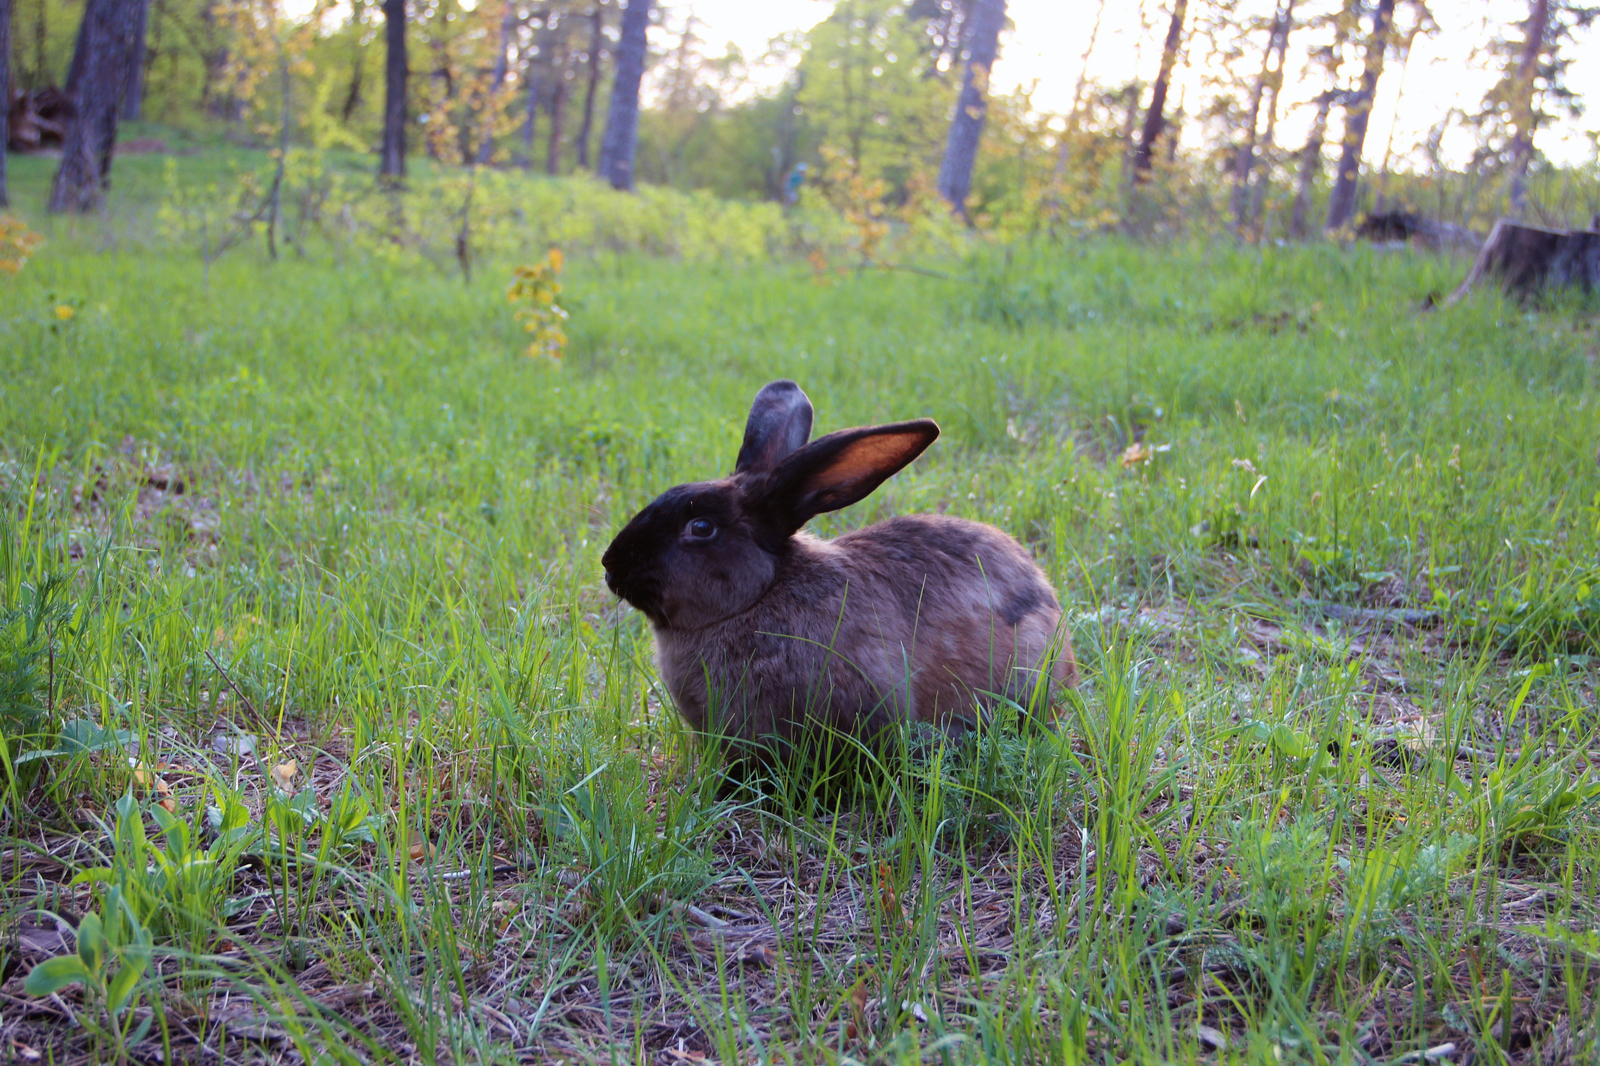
(106,41)
(966,125)
(1154,119)
(1525,114)
(1357,112)
(392,163)
(622,120)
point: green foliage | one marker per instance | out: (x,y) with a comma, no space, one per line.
(536,286)
(862,83)
(30,632)
(175,886)
(114,951)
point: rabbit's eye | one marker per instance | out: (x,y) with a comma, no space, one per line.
(700,529)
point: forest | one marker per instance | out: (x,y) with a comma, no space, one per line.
(866,95)
(354,357)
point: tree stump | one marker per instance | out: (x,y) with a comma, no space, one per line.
(1530,259)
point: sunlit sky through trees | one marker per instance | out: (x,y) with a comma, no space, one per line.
(1449,69)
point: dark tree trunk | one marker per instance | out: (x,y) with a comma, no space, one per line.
(966,125)
(358,64)
(1246,161)
(1526,116)
(5,93)
(622,120)
(558,110)
(133,91)
(1154,120)
(1342,201)
(392,163)
(591,64)
(497,80)
(106,42)
(530,75)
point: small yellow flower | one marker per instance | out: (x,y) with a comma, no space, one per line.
(64,312)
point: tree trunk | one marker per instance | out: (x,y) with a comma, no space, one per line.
(558,110)
(1527,72)
(966,125)
(597,42)
(530,119)
(392,162)
(1310,166)
(275,196)
(5,93)
(133,91)
(1153,119)
(1064,150)
(497,80)
(1258,194)
(1130,147)
(1342,201)
(1311,154)
(106,41)
(622,121)
(1245,163)
(1378,202)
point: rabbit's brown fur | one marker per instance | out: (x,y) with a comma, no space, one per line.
(764,632)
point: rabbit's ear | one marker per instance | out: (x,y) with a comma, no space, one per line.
(780,424)
(835,471)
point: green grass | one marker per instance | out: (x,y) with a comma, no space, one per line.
(1270,830)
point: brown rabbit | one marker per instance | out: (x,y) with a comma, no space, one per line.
(764,633)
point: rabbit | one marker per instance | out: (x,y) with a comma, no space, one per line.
(764,633)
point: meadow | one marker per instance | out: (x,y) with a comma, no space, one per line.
(325,742)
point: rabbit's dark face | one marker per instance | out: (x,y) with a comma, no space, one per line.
(692,557)
(705,552)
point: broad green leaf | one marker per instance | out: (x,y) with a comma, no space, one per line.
(52,975)
(81,736)
(92,943)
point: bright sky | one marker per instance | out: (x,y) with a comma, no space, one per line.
(1047,44)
